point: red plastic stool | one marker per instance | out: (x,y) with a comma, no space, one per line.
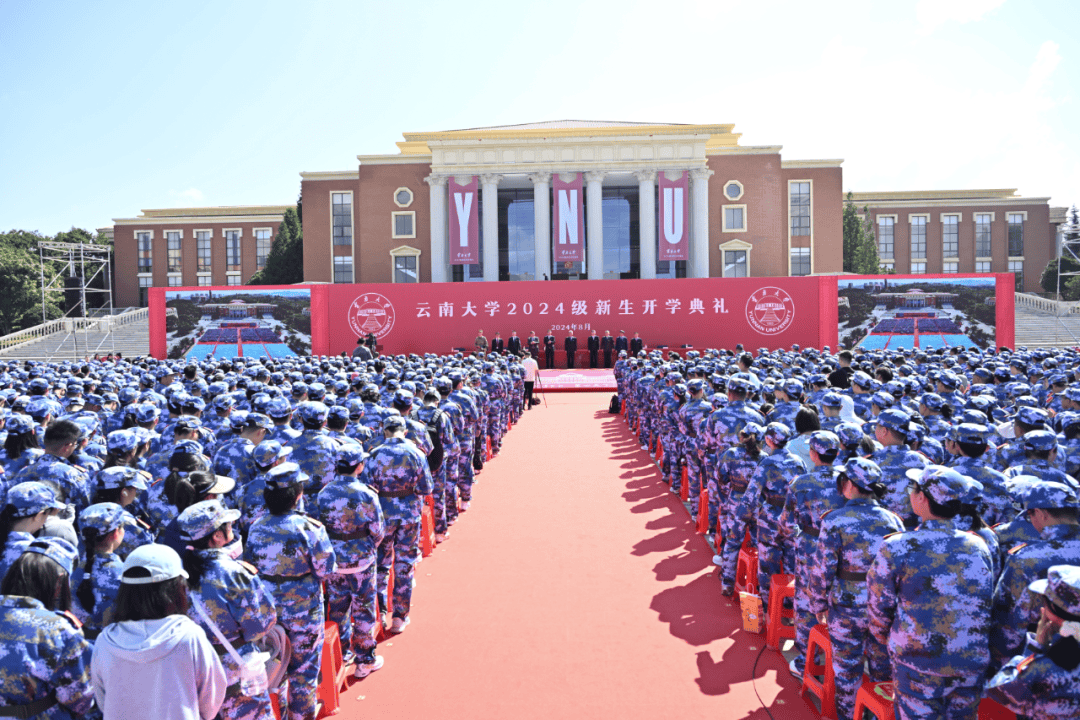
(277,695)
(487,450)
(780,588)
(684,490)
(659,452)
(719,536)
(622,410)
(427,526)
(825,689)
(993,710)
(703,512)
(332,672)
(746,573)
(876,699)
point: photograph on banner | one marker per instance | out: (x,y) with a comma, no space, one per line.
(900,312)
(226,322)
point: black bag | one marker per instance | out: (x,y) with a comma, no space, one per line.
(534,400)
(615,406)
(435,458)
(477,460)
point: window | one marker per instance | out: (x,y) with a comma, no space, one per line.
(404,224)
(950,267)
(262,247)
(800,208)
(232,251)
(1016,235)
(800,261)
(146,251)
(342,218)
(734,218)
(145,283)
(202,247)
(232,280)
(885,227)
(1017,267)
(982,266)
(403,197)
(734,263)
(172,259)
(343,269)
(204,281)
(405,269)
(982,235)
(918,236)
(918,268)
(174,281)
(733,190)
(950,236)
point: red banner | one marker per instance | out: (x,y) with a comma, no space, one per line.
(464,225)
(569,219)
(674,218)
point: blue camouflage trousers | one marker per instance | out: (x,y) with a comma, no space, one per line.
(920,696)
(848,632)
(439,495)
(401,546)
(734,530)
(306,634)
(694,474)
(805,546)
(495,429)
(669,463)
(236,704)
(351,603)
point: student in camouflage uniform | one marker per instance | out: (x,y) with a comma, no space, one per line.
(895,459)
(315,451)
(353,518)
(293,553)
(953,619)
(28,506)
(443,494)
(469,402)
(70,482)
(399,473)
(234,458)
(496,400)
(737,465)
(234,598)
(691,421)
(98,581)
(967,443)
(837,593)
(1044,681)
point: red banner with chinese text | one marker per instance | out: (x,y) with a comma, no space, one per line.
(569,219)
(674,218)
(464,224)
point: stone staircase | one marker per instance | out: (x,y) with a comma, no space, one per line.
(1040,329)
(69,339)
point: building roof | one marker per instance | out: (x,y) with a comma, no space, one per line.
(235,213)
(567,125)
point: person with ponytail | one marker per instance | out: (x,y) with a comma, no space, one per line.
(267,454)
(196,487)
(187,457)
(28,506)
(46,659)
(97,582)
(731,479)
(21,448)
(234,597)
(837,594)
(122,448)
(121,485)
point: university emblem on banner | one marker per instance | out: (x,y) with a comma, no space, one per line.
(371,313)
(770,310)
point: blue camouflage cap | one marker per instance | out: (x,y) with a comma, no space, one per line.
(190,447)
(1067,419)
(279,407)
(19,425)
(932,401)
(103,517)
(1032,416)
(696,385)
(944,484)
(753,430)
(1040,440)
(121,442)
(862,381)
(121,476)
(285,475)
(269,451)
(313,411)
(237,419)
(403,397)
(1062,588)
(258,420)
(1072,393)
(882,399)
(849,434)
(352,454)
(896,420)
(30,498)
(779,433)
(59,550)
(393,423)
(862,472)
(823,441)
(1046,494)
(969,433)
(203,518)
(832,400)
(224,401)
(187,423)
(39,407)
(793,388)
(356,408)
(146,412)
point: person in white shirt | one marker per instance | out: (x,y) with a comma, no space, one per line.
(532,370)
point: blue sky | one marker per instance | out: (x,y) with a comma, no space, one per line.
(109,108)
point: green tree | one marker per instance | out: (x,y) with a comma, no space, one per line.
(1069,263)
(20,277)
(285,262)
(860,244)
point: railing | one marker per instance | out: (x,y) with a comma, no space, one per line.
(1046,305)
(71,326)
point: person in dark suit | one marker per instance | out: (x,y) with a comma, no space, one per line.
(841,377)
(534,345)
(636,344)
(594,349)
(549,351)
(570,346)
(497,344)
(607,344)
(513,345)
(622,343)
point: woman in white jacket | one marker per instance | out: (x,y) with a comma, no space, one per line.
(154,662)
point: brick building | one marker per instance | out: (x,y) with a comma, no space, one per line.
(751,213)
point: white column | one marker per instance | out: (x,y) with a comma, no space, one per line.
(542,224)
(699,230)
(438,227)
(490,184)
(594,206)
(647,222)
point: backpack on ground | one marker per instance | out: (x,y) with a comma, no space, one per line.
(615,406)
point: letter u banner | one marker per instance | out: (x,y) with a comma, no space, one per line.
(568,241)
(464,224)
(674,218)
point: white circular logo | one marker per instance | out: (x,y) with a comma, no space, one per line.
(770,310)
(371,313)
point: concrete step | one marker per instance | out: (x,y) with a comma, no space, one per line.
(130,340)
(1034,329)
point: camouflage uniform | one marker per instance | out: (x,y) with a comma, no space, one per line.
(497,395)
(895,461)
(735,469)
(70,482)
(691,420)
(315,451)
(443,491)
(470,413)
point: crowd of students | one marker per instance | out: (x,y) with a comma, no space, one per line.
(174,536)
(926,503)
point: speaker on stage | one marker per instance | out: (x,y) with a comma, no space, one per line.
(73,297)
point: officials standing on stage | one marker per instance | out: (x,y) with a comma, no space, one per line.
(622,343)
(594,349)
(481,343)
(607,344)
(636,344)
(570,346)
(498,344)
(534,345)
(549,349)
(513,345)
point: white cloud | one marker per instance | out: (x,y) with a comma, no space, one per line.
(932,14)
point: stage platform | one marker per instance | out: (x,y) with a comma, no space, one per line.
(576,381)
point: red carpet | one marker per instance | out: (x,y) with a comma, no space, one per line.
(575,587)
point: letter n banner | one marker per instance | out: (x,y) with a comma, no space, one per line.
(569,216)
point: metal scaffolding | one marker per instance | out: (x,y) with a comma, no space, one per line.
(76,260)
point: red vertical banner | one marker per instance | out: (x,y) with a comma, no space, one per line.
(674,218)
(569,219)
(464,223)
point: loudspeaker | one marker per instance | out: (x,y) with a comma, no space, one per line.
(73,297)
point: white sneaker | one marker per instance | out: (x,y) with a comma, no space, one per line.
(465,506)
(399,625)
(717,560)
(362,671)
(441,537)
(794,669)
